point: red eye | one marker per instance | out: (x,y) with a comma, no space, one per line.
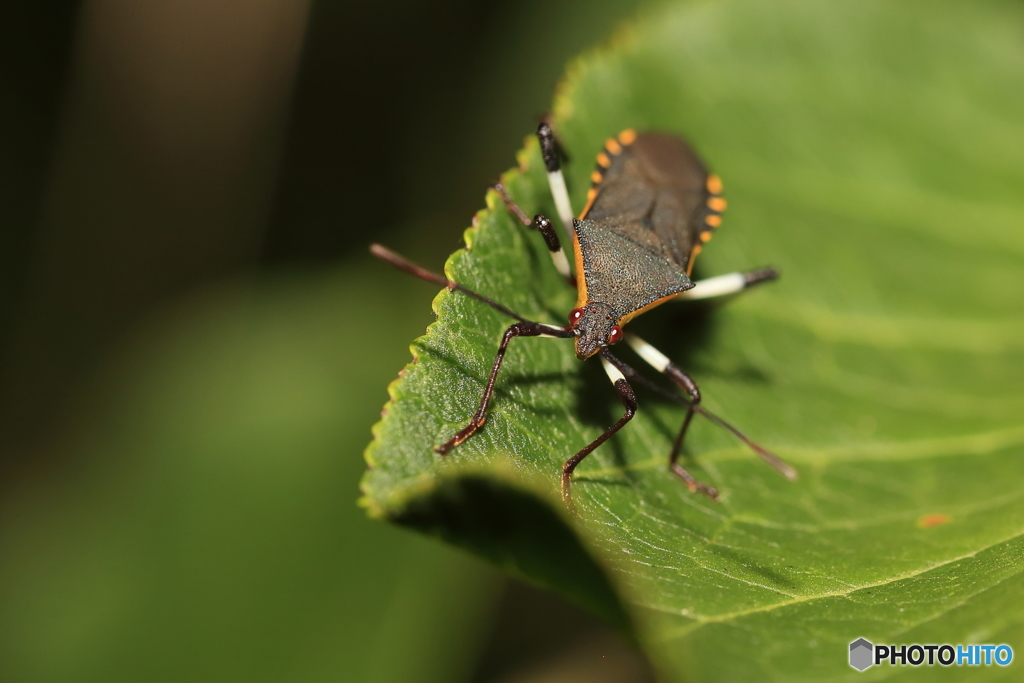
(615,336)
(575,315)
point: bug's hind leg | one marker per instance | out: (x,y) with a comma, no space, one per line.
(519,329)
(544,227)
(730,283)
(628,400)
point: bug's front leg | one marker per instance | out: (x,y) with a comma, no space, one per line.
(628,400)
(543,225)
(549,150)
(661,363)
(520,329)
(686,383)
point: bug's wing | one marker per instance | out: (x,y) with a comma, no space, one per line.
(654,191)
(626,273)
(651,208)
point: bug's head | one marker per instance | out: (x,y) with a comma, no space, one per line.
(596,326)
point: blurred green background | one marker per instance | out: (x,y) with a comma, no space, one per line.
(194,342)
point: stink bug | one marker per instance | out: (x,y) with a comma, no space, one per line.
(651,208)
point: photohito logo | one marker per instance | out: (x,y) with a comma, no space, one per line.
(864,654)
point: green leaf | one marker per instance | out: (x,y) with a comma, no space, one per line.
(871,151)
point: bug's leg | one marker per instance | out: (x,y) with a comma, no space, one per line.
(729,283)
(660,362)
(549,150)
(519,329)
(686,382)
(628,400)
(543,225)
(523,328)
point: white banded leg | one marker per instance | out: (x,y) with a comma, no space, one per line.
(556,181)
(730,283)
(618,380)
(543,225)
(662,364)
(554,248)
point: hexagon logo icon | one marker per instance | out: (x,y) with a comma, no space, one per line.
(861,652)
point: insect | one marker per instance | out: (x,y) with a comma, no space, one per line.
(651,208)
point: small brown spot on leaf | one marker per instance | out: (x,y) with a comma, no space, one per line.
(933,520)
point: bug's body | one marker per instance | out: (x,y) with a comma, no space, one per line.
(650,209)
(646,217)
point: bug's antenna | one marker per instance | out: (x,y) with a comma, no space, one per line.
(784,468)
(400,262)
